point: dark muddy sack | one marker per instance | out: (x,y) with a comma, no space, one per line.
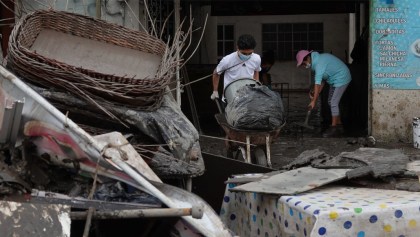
(255,108)
(121,192)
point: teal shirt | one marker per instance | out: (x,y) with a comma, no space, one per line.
(329,68)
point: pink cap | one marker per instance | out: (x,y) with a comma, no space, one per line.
(301,55)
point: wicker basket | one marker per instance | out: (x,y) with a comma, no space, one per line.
(143,93)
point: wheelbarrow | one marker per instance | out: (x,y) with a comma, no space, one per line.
(253,146)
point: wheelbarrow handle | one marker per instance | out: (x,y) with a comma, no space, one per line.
(219,106)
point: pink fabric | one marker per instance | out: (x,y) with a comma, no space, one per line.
(301,55)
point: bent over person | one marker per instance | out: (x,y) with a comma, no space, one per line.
(243,63)
(330,69)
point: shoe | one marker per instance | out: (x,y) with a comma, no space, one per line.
(334,131)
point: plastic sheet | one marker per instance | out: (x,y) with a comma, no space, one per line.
(256,108)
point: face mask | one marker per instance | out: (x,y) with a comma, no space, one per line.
(308,65)
(244,57)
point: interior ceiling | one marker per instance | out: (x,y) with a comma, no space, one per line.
(281,7)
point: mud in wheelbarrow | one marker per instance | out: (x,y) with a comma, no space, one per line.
(251,146)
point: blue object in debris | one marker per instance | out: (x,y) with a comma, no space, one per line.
(388,1)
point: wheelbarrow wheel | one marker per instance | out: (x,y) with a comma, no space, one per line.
(260,157)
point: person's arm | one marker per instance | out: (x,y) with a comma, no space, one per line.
(216,78)
(311,92)
(319,84)
(215,93)
(257,76)
(317,91)
(258,68)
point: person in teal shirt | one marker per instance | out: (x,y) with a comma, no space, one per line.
(328,69)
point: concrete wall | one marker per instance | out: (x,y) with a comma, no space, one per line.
(392,114)
(336,40)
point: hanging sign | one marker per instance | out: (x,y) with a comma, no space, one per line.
(395,36)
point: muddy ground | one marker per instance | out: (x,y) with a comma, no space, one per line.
(293,140)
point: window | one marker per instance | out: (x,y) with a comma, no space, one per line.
(286,39)
(159,11)
(225,40)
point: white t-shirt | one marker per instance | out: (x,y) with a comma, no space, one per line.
(238,69)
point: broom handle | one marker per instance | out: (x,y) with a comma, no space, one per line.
(307,116)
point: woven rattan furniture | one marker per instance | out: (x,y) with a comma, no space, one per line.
(86,74)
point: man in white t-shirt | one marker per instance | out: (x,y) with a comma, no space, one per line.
(243,63)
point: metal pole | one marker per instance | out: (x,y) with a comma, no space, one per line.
(267,142)
(142,213)
(178,81)
(188,184)
(248,149)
